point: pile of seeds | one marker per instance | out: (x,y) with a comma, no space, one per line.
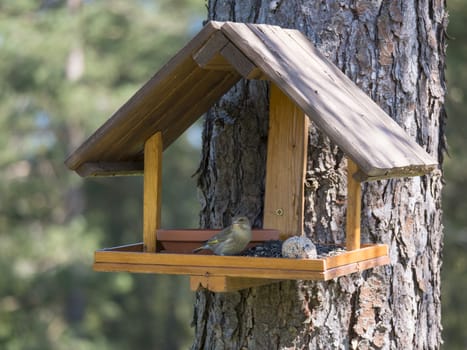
(273,248)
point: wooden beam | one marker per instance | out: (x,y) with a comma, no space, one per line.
(225,283)
(117,259)
(338,107)
(152,190)
(122,168)
(353,207)
(110,141)
(219,54)
(208,56)
(286,165)
(240,62)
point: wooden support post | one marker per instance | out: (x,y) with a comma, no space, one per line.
(152,190)
(286,165)
(285,176)
(354,194)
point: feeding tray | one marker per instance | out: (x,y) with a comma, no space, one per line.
(303,86)
(226,273)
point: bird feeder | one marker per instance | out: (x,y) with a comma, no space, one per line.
(304,86)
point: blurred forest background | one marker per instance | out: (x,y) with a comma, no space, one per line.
(65,66)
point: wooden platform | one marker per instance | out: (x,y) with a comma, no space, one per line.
(222,53)
(228,273)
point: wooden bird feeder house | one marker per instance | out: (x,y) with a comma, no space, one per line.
(304,86)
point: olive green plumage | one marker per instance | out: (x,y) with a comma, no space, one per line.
(231,240)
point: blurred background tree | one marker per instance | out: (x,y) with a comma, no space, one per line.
(65,66)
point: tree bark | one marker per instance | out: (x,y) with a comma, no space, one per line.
(395,51)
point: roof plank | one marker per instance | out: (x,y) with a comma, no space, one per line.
(350,118)
(359,95)
(212,62)
(121,138)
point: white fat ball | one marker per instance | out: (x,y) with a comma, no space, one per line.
(299,247)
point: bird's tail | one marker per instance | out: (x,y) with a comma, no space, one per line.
(198,249)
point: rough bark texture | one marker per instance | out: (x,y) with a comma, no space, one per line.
(394,50)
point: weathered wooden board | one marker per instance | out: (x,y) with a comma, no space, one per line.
(240,62)
(339,108)
(169,102)
(210,64)
(209,57)
(218,53)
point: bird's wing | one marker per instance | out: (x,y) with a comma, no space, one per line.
(220,237)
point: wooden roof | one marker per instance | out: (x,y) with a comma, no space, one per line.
(211,63)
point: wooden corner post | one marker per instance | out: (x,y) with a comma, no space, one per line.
(286,165)
(354,197)
(152,190)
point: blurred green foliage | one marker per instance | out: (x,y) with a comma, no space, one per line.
(65,66)
(454,272)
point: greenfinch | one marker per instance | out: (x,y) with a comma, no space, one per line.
(231,240)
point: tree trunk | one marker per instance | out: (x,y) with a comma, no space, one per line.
(394,50)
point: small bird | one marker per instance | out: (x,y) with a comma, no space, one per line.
(231,240)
